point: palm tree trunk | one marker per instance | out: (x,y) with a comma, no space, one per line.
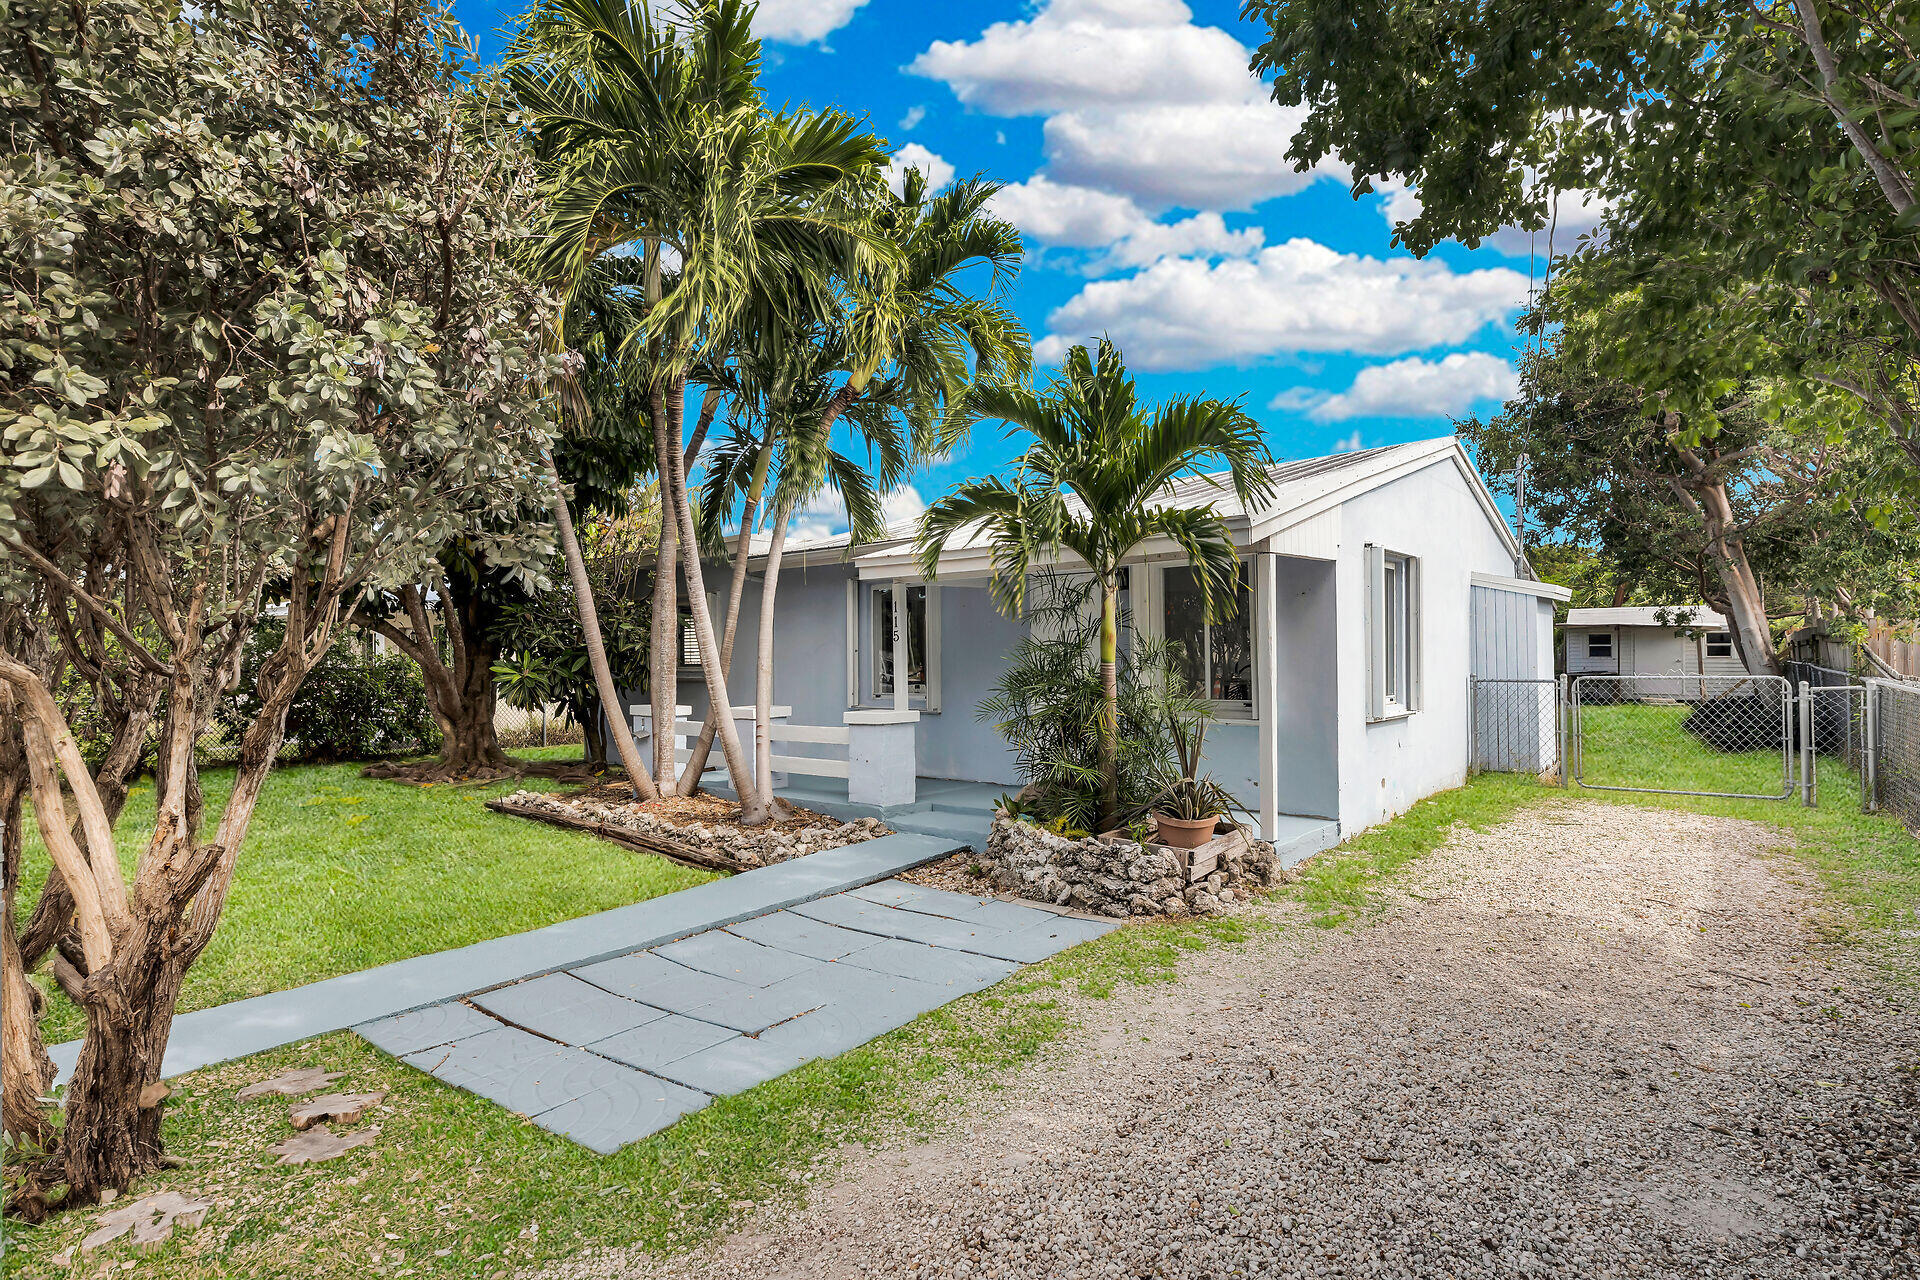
(763,672)
(743,546)
(1109,700)
(590,628)
(719,705)
(663,662)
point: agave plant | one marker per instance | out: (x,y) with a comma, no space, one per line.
(1188,794)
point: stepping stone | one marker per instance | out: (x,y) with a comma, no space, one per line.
(316,1145)
(664,1040)
(832,1030)
(657,981)
(479,1059)
(733,1066)
(1040,941)
(922,898)
(718,952)
(436,1024)
(803,937)
(957,971)
(757,1008)
(892,922)
(346,1108)
(621,1112)
(1011,916)
(564,1008)
(289,1084)
(150,1219)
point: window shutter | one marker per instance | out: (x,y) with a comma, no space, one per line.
(1416,690)
(1376,614)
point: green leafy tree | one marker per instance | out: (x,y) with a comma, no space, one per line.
(1757,162)
(263,336)
(1091,484)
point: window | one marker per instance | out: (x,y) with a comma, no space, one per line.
(1719,644)
(689,639)
(1216,656)
(1599,644)
(919,634)
(1393,594)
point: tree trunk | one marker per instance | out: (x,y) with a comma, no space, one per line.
(1109,701)
(1740,590)
(460,685)
(26,1072)
(663,664)
(590,631)
(737,589)
(763,669)
(719,704)
(112,1134)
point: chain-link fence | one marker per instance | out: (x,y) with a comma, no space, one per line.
(1515,727)
(533,727)
(1683,734)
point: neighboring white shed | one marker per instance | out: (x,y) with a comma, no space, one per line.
(1650,640)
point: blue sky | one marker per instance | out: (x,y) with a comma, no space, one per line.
(1144,167)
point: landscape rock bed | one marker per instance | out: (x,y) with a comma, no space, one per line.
(1118,877)
(701,828)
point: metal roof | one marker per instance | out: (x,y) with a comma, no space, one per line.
(1676,616)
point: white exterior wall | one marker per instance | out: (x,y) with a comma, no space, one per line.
(1434,515)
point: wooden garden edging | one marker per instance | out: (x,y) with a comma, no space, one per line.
(625,836)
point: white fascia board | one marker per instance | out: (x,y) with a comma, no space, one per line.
(976,562)
(1520,586)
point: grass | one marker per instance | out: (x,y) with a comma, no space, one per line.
(340,873)
(1645,745)
(457,1187)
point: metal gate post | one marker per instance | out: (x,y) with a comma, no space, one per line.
(1870,752)
(1473,726)
(1806,745)
(1560,727)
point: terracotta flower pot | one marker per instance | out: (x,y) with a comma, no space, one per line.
(1184,833)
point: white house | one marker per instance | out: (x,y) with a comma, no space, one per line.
(1650,640)
(1377,583)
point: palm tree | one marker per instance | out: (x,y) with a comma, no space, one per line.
(664,150)
(895,362)
(1092,482)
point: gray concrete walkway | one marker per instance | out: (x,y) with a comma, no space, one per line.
(265,1022)
(608,1052)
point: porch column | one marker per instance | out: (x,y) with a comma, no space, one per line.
(881,760)
(1266,685)
(898,594)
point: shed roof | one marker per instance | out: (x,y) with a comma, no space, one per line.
(1667,616)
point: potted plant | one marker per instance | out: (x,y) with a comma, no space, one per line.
(1189,807)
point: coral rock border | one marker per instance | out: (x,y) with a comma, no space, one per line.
(1113,876)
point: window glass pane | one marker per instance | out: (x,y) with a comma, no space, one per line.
(1395,599)
(883,642)
(1720,645)
(689,642)
(1599,645)
(1230,655)
(916,639)
(1185,623)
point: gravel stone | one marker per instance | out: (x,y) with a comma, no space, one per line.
(1594,1040)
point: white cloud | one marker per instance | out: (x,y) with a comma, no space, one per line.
(826,514)
(1216,155)
(1349,443)
(1182,313)
(802,21)
(1575,214)
(1416,388)
(914,156)
(1056,213)
(915,114)
(1139,100)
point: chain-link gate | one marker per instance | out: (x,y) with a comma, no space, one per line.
(1729,736)
(1837,726)
(1515,727)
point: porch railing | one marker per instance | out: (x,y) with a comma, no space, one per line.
(876,761)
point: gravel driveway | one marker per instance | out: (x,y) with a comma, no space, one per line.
(1596,1040)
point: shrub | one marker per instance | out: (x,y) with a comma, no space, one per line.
(353,706)
(1047,703)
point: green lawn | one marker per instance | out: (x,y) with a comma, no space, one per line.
(457,1187)
(1642,745)
(340,873)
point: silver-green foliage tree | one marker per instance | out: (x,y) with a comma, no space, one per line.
(261,338)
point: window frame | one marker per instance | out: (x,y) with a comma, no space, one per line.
(1722,638)
(868,647)
(1604,636)
(1223,708)
(1395,634)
